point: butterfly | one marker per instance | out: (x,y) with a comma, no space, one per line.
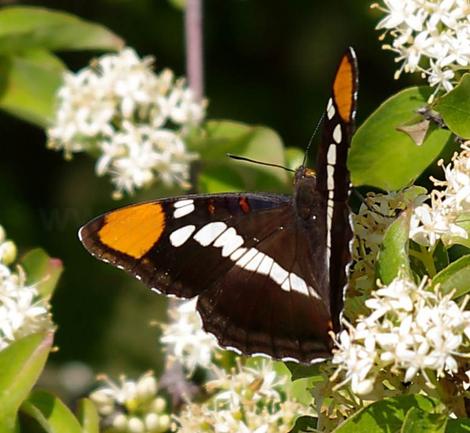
(269,270)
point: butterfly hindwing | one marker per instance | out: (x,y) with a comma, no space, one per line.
(271,304)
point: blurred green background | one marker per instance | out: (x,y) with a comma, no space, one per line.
(267,62)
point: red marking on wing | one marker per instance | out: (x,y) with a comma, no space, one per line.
(244,205)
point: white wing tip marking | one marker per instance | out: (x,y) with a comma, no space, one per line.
(183,210)
(181,203)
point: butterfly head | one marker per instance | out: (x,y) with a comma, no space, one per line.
(302,173)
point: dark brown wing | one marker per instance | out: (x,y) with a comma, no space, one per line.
(333,181)
(270,303)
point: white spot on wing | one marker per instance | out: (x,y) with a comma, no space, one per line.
(180,236)
(265,265)
(253,264)
(183,210)
(229,241)
(286,285)
(330,181)
(298,284)
(337,134)
(181,203)
(278,273)
(330,109)
(237,254)
(209,233)
(331,157)
(247,257)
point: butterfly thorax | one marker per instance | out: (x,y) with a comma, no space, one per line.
(306,196)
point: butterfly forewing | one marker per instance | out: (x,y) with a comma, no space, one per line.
(169,244)
(333,180)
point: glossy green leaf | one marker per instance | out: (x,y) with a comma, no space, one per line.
(304,424)
(88,417)
(393,255)
(21,364)
(456,277)
(455,108)
(220,173)
(299,371)
(440,256)
(42,271)
(460,425)
(50,413)
(28,84)
(418,421)
(385,416)
(384,157)
(26,28)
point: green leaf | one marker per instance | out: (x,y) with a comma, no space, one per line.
(385,416)
(440,256)
(51,414)
(418,421)
(178,4)
(21,364)
(26,28)
(304,424)
(456,277)
(294,157)
(455,108)
(393,255)
(28,84)
(299,371)
(384,157)
(460,425)
(42,271)
(88,417)
(220,173)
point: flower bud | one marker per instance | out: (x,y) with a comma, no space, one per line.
(120,422)
(8,252)
(146,388)
(135,425)
(158,405)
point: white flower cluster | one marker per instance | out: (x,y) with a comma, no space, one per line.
(184,338)
(375,215)
(22,310)
(410,329)
(248,401)
(133,118)
(429,223)
(132,406)
(429,36)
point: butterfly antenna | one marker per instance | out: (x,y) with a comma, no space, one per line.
(254,161)
(311,139)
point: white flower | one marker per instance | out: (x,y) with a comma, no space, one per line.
(132,406)
(135,119)
(22,310)
(185,339)
(410,329)
(250,400)
(430,36)
(449,201)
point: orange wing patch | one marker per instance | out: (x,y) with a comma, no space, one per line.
(133,230)
(343,89)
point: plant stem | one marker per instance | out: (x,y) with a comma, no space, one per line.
(194,51)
